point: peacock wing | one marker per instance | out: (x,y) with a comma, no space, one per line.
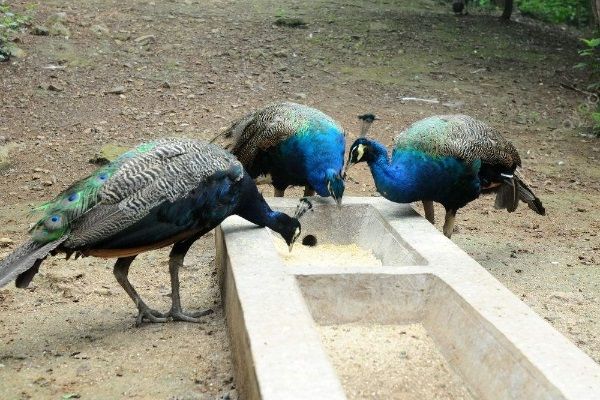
(76,200)
(459,136)
(261,130)
(170,171)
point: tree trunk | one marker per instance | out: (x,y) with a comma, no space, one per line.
(595,7)
(508,7)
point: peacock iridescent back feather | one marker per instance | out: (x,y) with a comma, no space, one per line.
(458,136)
(272,125)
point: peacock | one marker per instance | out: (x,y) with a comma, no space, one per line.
(295,144)
(162,193)
(448,159)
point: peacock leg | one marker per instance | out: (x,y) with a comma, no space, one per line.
(121,270)
(279,192)
(175,262)
(308,191)
(429,212)
(449,223)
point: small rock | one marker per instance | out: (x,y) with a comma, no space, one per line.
(116,90)
(100,29)
(58,17)
(5,242)
(17,52)
(53,88)
(301,96)
(59,29)
(166,85)
(40,30)
(290,22)
(4,160)
(123,36)
(47,183)
(146,39)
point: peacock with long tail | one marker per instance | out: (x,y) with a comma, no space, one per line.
(162,193)
(448,159)
(295,144)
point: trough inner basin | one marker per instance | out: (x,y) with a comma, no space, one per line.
(350,235)
(456,354)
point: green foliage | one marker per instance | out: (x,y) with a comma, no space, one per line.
(591,61)
(574,12)
(11,23)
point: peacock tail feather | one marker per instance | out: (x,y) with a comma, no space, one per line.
(77,199)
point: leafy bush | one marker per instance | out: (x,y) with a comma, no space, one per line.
(10,23)
(574,12)
(591,61)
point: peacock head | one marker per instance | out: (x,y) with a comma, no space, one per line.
(290,228)
(335,185)
(361,150)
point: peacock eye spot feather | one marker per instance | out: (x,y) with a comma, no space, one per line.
(103,176)
(73,196)
(55,218)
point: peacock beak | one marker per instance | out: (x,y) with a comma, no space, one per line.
(339,201)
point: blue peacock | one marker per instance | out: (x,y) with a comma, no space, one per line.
(296,145)
(166,192)
(448,159)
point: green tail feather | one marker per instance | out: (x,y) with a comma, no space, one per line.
(76,200)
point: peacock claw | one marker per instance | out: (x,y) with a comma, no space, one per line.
(149,315)
(179,315)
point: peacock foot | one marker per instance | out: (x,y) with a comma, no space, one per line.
(146,314)
(180,315)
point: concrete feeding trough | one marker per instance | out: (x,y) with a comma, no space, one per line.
(411,316)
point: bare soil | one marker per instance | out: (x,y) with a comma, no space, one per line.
(209,62)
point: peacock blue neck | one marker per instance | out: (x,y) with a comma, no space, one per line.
(253,207)
(413,175)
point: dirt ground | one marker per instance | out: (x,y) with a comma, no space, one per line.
(209,62)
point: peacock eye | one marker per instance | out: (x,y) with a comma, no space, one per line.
(103,177)
(54,222)
(73,197)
